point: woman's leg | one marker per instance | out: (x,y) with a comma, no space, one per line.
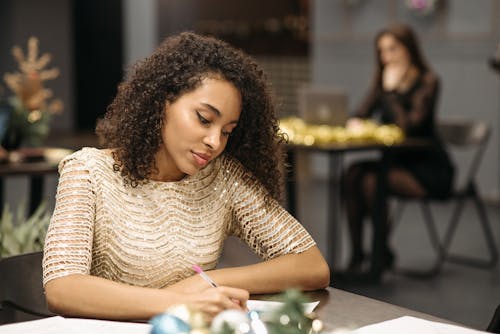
(356,209)
(400,181)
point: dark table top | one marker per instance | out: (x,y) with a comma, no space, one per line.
(339,309)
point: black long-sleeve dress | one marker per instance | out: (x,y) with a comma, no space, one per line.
(414,111)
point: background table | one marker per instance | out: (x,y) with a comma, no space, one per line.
(335,153)
(35,171)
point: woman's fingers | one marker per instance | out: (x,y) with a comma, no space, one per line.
(215,300)
(237,296)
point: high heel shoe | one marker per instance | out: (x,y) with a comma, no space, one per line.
(388,260)
(356,263)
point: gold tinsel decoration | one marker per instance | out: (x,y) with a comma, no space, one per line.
(299,132)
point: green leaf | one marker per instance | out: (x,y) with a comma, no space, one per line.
(20,234)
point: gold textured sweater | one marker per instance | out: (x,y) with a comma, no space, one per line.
(152,234)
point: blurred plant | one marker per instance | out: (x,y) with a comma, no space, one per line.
(20,234)
(290,318)
(31,109)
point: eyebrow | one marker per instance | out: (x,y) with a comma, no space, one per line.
(216,111)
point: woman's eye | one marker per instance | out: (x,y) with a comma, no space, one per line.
(226,133)
(202,119)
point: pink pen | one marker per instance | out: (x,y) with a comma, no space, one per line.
(200,271)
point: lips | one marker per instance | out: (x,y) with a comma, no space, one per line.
(201,159)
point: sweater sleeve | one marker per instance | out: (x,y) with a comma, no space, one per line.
(262,223)
(369,103)
(423,102)
(68,244)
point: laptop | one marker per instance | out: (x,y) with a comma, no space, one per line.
(323,105)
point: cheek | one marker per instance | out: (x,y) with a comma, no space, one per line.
(180,125)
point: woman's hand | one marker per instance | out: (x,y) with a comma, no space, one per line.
(202,296)
(393,75)
(354,124)
(211,301)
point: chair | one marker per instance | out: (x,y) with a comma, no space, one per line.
(494,325)
(21,291)
(459,135)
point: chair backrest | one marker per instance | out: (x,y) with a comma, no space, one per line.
(463,134)
(21,291)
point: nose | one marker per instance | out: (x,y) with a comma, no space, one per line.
(213,140)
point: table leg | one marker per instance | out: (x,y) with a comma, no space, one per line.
(2,204)
(36,193)
(291,181)
(379,214)
(334,209)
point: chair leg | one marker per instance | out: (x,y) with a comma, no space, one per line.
(431,227)
(395,213)
(488,235)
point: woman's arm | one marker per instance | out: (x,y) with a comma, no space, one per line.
(365,110)
(290,256)
(422,105)
(95,297)
(307,271)
(69,287)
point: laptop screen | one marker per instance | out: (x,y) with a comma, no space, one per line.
(323,105)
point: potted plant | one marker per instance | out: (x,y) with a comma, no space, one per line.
(31,107)
(20,234)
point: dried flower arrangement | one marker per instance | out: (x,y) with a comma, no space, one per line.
(30,109)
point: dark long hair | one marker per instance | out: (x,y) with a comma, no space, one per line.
(133,122)
(405,35)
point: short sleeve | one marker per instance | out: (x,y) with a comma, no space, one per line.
(68,244)
(261,222)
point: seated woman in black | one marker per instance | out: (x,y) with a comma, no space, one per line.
(404,92)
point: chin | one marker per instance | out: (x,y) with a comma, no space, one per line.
(190,170)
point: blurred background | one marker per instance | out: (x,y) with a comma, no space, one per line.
(296,41)
(321,42)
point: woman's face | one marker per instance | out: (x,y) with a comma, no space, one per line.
(392,52)
(197,127)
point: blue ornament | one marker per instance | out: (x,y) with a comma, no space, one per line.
(168,324)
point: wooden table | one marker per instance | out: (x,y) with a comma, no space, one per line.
(335,153)
(341,309)
(34,163)
(337,309)
(35,171)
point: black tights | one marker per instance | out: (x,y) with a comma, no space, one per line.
(360,185)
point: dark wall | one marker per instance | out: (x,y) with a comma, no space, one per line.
(260,27)
(98,57)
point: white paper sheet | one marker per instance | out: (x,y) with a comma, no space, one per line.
(60,325)
(269,306)
(412,325)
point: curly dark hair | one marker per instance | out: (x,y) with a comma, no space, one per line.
(133,122)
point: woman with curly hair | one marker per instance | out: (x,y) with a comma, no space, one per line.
(192,155)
